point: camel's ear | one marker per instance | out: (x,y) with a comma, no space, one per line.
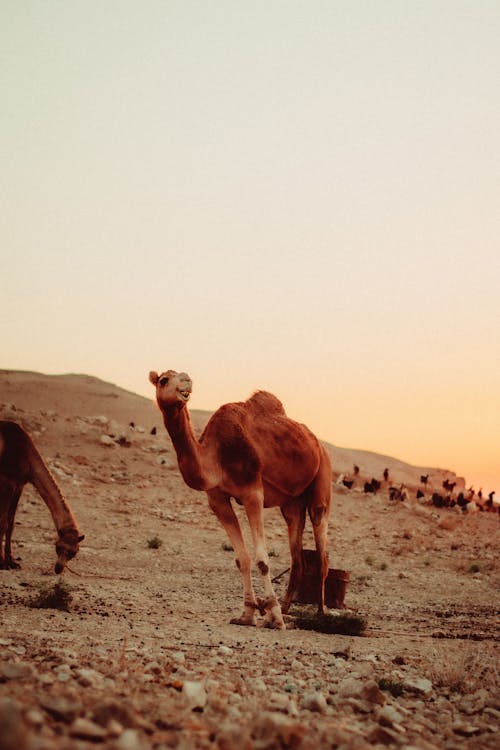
(81,538)
(153,377)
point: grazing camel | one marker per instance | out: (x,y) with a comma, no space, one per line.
(252,452)
(20,462)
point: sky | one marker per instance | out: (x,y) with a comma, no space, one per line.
(296,196)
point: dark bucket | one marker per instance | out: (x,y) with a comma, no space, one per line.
(335,584)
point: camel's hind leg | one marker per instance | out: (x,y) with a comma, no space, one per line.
(220,503)
(294,513)
(318,506)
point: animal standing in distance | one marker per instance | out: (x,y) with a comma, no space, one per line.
(252,452)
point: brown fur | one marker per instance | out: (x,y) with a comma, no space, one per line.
(252,452)
(20,463)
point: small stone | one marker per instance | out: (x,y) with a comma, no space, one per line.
(225,650)
(195,695)
(89,678)
(106,440)
(130,739)
(15,670)
(34,717)
(384,736)
(351,688)
(86,729)
(61,708)
(418,685)
(315,701)
(46,679)
(278,730)
(371,692)
(278,701)
(153,667)
(257,684)
(388,716)
(179,657)
(464,729)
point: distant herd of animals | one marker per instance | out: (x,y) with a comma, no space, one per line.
(249,451)
(470,500)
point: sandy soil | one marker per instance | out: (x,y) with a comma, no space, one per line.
(146,658)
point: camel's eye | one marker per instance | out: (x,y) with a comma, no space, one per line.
(163,381)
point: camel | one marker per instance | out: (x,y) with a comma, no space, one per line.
(20,463)
(252,452)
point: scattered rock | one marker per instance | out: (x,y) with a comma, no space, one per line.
(384,736)
(277,730)
(463,729)
(195,695)
(315,701)
(86,729)
(60,707)
(15,670)
(418,685)
(388,716)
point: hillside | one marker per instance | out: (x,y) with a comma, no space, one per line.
(86,396)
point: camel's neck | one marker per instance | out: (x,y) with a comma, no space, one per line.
(186,446)
(45,484)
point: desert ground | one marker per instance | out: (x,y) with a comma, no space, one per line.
(144,656)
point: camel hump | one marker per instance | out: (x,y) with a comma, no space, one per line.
(263,402)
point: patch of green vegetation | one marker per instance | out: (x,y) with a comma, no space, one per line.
(391,686)
(57,596)
(155,542)
(339,623)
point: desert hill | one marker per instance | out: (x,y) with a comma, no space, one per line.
(79,395)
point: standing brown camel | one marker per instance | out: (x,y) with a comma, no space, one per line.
(20,462)
(252,452)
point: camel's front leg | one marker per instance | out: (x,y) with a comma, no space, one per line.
(220,503)
(254,503)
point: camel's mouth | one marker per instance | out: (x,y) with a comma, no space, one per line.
(184,394)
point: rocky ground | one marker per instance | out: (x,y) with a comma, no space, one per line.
(145,656)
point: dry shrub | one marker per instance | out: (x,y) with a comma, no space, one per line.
(473,667)
(57,596)
(343,623)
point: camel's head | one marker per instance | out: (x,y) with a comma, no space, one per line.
(172,388)
(67,545)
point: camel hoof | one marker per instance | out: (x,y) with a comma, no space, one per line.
(243,621)
(274,625)
(9,565)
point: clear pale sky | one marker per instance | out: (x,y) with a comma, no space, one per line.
(297,196)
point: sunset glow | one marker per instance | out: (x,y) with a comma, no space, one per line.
(300,198)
